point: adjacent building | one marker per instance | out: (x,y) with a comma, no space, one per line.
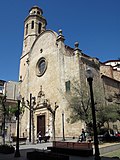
(8,102)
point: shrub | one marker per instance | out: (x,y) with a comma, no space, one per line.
(7,149)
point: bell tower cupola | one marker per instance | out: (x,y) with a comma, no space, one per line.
(34,24)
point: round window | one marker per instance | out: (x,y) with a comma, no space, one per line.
(41,66)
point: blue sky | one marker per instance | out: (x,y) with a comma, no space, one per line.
(95,24)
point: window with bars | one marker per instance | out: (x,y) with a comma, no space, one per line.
(67,86)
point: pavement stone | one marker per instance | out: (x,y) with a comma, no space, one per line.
(31,147)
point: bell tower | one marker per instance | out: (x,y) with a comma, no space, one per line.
(34,24)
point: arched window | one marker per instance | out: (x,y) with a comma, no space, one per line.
(39,28)
(38,12)
(32,25)
(26,29)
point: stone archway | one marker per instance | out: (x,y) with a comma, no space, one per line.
(41,124)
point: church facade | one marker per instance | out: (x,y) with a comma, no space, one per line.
(48,68)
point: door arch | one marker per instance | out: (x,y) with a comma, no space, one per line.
(41,124)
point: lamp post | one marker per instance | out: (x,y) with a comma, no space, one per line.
(17,152)
(30,117)
(89,76)
(63,126)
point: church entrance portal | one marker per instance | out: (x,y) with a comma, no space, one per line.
(41,124)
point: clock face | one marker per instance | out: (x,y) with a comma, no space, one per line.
(41,66)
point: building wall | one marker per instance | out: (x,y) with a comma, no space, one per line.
(10,93)
(111,87)
(12,90)
(110,72)
(62,64)
(60,68)
(114,63)
(106,70)
(116,75)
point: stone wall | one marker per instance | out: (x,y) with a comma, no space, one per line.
(110,72)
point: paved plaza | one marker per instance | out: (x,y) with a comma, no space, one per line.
(43,146)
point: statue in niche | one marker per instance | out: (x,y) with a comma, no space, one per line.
(40,98)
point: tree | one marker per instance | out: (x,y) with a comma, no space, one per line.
(79,103)
(30,106)
(11,110)
(53,112)
(108,114)
(80,108)
(8,110)
(3,109)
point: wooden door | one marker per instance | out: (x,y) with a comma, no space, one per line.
(41,124)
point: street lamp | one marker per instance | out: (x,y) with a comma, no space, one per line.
(63,126)
(30,117)
(17,152)
(89,76)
